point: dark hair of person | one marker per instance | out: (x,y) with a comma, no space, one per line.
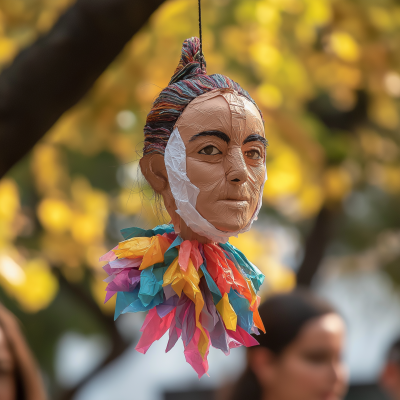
(28,381)
(394,352)
(283,315)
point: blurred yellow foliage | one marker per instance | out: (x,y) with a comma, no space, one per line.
(385,113)
(129,202)
(54,215)
(89,200)
(8,49)
(33,286)
(48,169)
(337,183)
(9,200)
(62,250)
(278,277)
(259,249)
(311,198)
(98,288)
(251,243)
(381,18)
(39,288)
(86,228)
(267,14)
(289,6)
(285,175)
(93,253)
(266,56)
(9,208)
(344,46)
(269,96)
(391,178)
(317,13)
(91,212)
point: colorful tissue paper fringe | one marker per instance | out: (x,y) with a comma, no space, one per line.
(204,293)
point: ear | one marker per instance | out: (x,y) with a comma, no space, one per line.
(153,169)
(263,364)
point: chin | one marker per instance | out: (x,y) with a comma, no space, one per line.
(227,217)
(229,226)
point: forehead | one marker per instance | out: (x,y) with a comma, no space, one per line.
(221,110)
(326,330)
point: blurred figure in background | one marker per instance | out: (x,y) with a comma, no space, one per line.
(390,377)
(300,356)
(19,376)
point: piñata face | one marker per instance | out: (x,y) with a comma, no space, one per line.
(225,157)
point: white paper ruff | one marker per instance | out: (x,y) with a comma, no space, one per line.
(185,193)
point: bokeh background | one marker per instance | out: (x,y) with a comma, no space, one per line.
(325,73)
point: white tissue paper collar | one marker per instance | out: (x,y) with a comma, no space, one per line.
(185,193)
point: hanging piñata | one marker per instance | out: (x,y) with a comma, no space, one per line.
(204,152)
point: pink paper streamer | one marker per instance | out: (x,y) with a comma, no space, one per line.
(154,329)
(193,356)
(126,263)
(184,254)
(195,256)
(174,335)
(241,337)
(110,256)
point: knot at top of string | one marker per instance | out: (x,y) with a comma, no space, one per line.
(192,61)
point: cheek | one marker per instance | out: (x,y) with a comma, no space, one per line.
(208,177)
(211,177)
(256,178)
(254,184)
(302,380)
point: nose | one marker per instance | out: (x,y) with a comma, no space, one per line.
(236,168)
(337,372)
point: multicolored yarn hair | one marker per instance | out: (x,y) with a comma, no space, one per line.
(188,82)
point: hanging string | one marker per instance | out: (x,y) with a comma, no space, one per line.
(200,37)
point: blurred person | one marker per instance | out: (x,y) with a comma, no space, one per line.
(390,376)
(300,356)
(19,375)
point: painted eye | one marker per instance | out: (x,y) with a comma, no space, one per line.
(253,154)
(210,151)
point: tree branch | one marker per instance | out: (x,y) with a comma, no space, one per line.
(56,71)
(315,247)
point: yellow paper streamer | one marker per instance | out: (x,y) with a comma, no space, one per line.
(253,293)
(173,277)
(227,313)
(133,248)
(151,249)
(188,282)
(153,254)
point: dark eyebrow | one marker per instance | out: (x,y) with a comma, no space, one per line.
(218,134)
(253,138)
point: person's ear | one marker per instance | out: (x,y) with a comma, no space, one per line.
(263,364)
(153,169)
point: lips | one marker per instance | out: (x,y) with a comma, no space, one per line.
(233,201)
(237,198)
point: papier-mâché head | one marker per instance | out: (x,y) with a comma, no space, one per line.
(204,152)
